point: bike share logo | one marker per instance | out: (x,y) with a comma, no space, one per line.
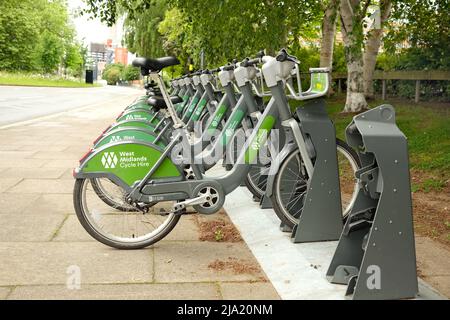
(135,117)
(109,160)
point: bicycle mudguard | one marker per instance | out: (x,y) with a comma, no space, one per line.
(129,134)
(138,103)
(134,110)
(140,106)
(141,116)
(126,162)
(132,123)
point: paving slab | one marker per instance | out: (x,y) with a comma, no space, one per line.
(13,155)
(53,155)
(39,148)
(4,292)
(182,291)
(8,183)
(72,231)
(195,261)
(67,174)
(26,228)
(248,291)
(185,230)
(52,204)
(12,203)
(66,164)
(43,186)
(33,173)
(22,163)
(38,263)
(11,147)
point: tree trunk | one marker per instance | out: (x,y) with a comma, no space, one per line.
(328,33)
(351,15)
(372,47)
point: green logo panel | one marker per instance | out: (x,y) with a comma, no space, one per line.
(130,162)
(199,110)
(139,115)
(129,135)
(191,108)
(220,113)
(180,106)
(230,127)
(259,139)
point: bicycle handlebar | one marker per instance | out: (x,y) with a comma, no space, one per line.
(284,56)
(250,62)
(229,67)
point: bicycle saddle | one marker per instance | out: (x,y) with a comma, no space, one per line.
(159,103)
(155,65)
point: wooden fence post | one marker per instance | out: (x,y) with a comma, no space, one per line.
(383,90)
(417,97)
(339,86)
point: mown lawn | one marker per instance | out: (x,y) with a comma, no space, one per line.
(24,79)
(428,133)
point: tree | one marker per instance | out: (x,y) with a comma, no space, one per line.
(18,31)
(142,36)
(420,30)
(51,51)
(34,35)
(352,13)
(74,59)
(372,47)
(328,33)
(225,30)
(108,11)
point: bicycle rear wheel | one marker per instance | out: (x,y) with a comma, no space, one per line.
(290,185)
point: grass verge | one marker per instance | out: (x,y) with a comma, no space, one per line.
(428,133)
(33,80)
(427,127)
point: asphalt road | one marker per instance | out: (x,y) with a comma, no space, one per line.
(25,103)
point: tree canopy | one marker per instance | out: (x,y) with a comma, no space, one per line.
(227,29)
(36,35)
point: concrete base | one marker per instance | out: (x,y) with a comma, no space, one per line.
(297,271)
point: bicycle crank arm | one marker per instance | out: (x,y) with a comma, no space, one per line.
(190,202)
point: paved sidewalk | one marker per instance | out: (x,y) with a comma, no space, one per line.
(42,242)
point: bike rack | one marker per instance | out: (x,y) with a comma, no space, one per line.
(321,218)
(376,256)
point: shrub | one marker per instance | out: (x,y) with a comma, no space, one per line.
(130,73)
(114,66)
(112,75)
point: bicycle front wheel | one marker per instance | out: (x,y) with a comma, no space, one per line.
(117,228)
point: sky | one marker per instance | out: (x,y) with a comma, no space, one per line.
(88,30)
